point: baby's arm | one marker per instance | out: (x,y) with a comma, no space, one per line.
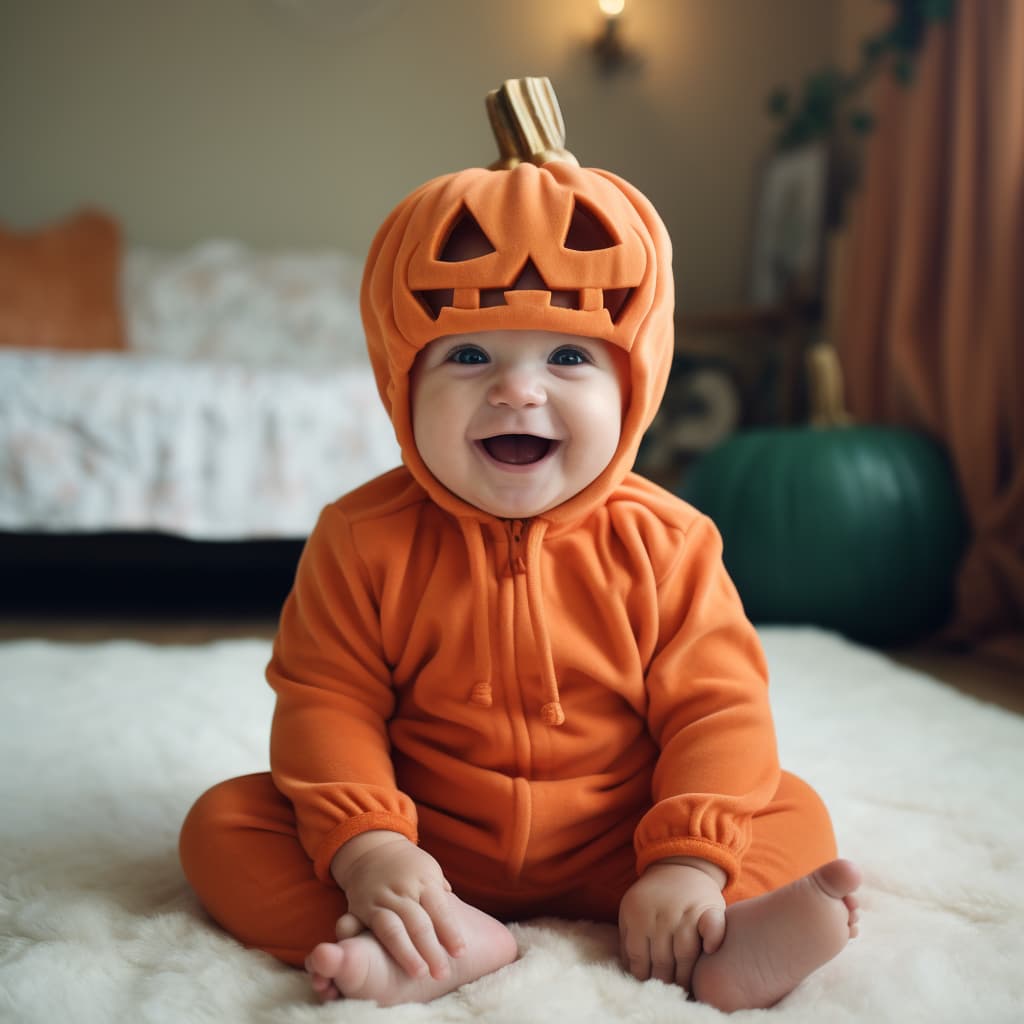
(668,917)
(399,892)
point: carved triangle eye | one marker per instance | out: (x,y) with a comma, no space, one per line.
(587,232)
(466,240)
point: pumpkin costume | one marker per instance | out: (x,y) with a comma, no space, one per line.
(546,706)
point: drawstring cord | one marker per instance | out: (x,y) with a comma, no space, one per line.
(473,535)
(551,711)
(482,693)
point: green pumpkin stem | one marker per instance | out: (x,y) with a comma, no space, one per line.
(527,123)
(826,388)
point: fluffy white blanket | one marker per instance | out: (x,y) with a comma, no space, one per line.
(103,747)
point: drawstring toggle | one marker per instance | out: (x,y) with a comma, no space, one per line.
(552,713)
(481,695)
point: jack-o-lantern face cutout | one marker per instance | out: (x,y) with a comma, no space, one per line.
(468,241)
(558,248)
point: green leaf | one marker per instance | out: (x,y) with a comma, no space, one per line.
(874,47)
(862,122)
(778,103)
(824,84)
(938,10)
(903,69)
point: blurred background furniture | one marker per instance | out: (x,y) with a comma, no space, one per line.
(226,400)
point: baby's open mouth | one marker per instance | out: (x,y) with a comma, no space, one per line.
(517,449)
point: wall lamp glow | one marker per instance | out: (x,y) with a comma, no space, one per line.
(612,55)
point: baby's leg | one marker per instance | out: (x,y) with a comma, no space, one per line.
(772,942)
(360,968)
(241,853)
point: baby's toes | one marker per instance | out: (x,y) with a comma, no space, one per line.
(325,960)
(853,916)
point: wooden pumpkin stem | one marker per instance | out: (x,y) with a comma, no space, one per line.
(527,123)
(825,384)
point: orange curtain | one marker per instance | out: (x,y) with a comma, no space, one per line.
(932,333)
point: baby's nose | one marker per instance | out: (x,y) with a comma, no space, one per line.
(517,387)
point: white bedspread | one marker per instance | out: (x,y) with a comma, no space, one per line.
(246,404)
(202,450)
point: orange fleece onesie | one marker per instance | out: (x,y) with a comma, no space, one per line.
(546,706)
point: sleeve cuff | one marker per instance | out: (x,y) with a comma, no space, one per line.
(690,846)
(352,827)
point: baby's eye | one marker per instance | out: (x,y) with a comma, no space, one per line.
(569,356)
(468,355)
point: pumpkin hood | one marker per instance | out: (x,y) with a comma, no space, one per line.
(584,231)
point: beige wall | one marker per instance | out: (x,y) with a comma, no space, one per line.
(301,122)
(856,21)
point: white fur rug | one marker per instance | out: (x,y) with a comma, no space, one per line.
(103,747)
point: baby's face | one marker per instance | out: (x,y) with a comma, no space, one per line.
(517,422)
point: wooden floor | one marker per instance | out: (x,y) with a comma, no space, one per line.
(985,678)
(183,630)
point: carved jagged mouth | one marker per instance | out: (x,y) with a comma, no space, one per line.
(517,449)
(614,300)
(466,240)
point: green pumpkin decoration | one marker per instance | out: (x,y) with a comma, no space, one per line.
(853,528)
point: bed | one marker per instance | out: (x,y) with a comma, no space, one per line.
(173,421)
(233,403)
(104,746)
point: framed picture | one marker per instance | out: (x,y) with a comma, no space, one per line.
(789,226)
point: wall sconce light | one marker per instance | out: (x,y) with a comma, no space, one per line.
(612,55)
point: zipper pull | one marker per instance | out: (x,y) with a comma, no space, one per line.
(517,529)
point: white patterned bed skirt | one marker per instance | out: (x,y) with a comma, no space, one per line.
(246,404)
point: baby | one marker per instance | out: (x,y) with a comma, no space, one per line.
(513,678)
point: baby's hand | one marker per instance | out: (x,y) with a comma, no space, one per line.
(399,892)
(668,917)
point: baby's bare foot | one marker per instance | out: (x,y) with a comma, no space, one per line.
(774,941)
(360,968)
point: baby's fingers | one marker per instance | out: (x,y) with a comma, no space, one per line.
(663,959)
(635,953)
(686,949)
(711,927)
(441,907)
(421,930)
(396,936)
(347,926)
